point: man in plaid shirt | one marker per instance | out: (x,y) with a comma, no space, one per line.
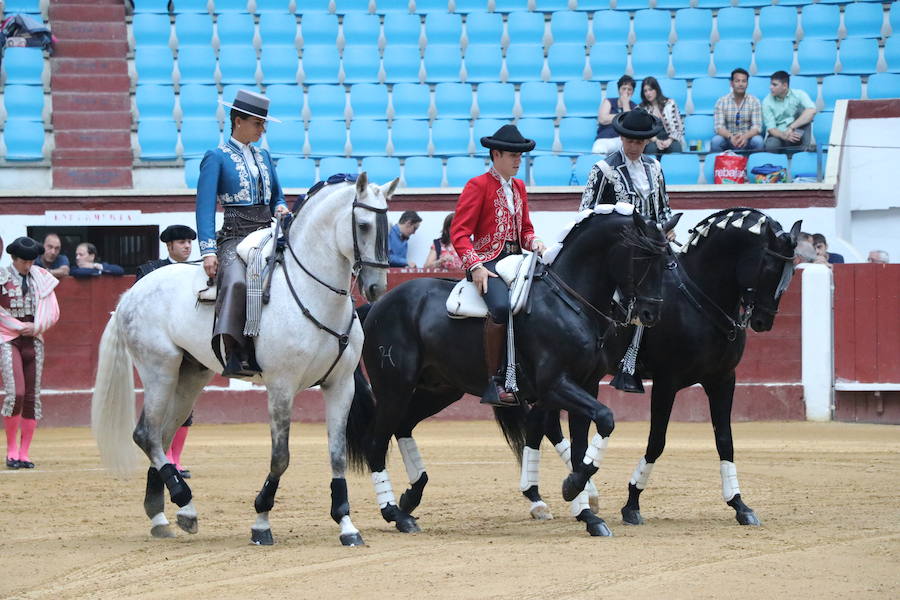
(738,118)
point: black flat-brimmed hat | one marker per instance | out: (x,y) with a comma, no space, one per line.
(508,139)
(25,248)
(251,103)
(637,124)
(177,232)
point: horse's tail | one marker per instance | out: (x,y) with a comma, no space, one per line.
(512,422)
(112,405)
(362,412)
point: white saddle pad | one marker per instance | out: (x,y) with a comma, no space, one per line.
(203,291)
(465,300)
(261,238)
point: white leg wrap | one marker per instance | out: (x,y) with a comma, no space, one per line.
(531,467)
(729,480)
(641,474)
(595,450)
(591,489)
(580,503)
(262,522)
(159,519)
(564,449)
(411,458)
(347,526)
(188,510)
(384,491)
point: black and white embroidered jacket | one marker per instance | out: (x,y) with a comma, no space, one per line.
(609,182)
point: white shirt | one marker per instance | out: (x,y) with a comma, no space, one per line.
(508,192)
(638,176)
(248,156)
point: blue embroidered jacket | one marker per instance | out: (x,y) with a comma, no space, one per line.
(225,177)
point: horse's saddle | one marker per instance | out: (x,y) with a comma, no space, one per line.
(252,250)
(516,271)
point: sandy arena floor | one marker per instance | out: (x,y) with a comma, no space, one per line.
(827,496)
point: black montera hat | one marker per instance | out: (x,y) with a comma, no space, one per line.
(25,248)
(509,139)
(637,124)
(177,232)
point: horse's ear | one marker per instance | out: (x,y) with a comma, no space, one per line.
(795,231)
(639,222)
(388,189)
(362,183)
(672,222)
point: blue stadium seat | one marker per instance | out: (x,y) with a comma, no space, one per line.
(452,100)
(272,6)
(566,62)
(198,136)
(791,3)
(279,64)
(26,102)
(368,137)
(484,28)
(296,172)
(524,62)
(235,29)
(312,6)
(676,89)
(630,4)
(151,30)
(681,169)
(326,101)
(864,19)
(369,100)
(229,6)
(495,99)
(508,6)
(192,172)
(150,6)
(652,25)
(409,137)
(318,28)
(430,7)
(569,27)
(577,135)
(442,27)
(327,138)
(709,163)
(485,128)
(525,28)
(483,63)
(277,29)
(810,85)
(698,128)
(443,62)
(773,55)
(411,100)
(820,21)
(25,65)
(361,64)
(735,23)
(237,64)
(286,138)
(730,55)
(423,171)
(550,5)
(883,85)
(892,52)
(157,138)
(704,93)
(197,100)
(822,129)
(690,60)
(538,99)
(189,6)
(333,165)
(651,58)
(402,29)
(758,159)
(816,57)
(286,101)
(858,55)
(381,169)
(361,29)
(608,61)
(840,87)
(401,64)
(583,165)
(391,7)
(467,6)
(894,17)
(693,24)
(551,170)
(778,22)
(805,164)
(759,87)
(610,26)
(460,169)
(539,130)
(197,64)
(450,137)
(193,29)
(719,3)
(581,98)
(321,64)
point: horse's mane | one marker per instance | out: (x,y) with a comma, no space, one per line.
(748,219)
(319,190)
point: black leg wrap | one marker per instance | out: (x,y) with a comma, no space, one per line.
(179,491)
(265,499)
(631,512)
(574,483)
(154,501)
(340,503)
(405,522)
(532,494)
(595,526)
(411,498)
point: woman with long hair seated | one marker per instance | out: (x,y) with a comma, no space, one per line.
(671,139)
(442,254)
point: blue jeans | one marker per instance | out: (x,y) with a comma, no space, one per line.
(720,144)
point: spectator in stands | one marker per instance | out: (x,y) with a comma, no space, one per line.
(879,257)
(671,139)
(737,118)
(178,240)
(787,116)
(87,265)
(398,239)
(442,254)
(821,245)
(805,252)
(53,260)
(607,139)
(28,308)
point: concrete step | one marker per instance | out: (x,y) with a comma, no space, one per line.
(69,120)
(90,83)
(88,66)
(92,177)
(92,157)
(87,102)
(94,13)
(76,48)
(85,30)
(93,138)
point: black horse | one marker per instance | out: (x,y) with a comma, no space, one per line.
(420,361)
(730,274)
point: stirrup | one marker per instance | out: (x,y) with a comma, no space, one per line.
(627,382)
(235,367)
(498,396)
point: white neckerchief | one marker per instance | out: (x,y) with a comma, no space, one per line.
(248,156)
(506,184)
(638,176)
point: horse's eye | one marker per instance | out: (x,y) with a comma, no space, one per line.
(365,227)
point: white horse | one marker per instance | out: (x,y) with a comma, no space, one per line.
(308,335)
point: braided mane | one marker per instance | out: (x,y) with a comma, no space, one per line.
(749,219)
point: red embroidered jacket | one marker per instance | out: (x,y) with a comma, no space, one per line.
(482,222)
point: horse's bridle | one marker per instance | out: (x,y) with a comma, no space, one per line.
(748,295)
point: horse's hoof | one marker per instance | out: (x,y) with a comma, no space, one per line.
(187,522)
(747,518)
(632,516)
(594,503)
(263,537)
(541,512)
(572,486)
(599,529)
(348,539)
(407,524)
(162,531)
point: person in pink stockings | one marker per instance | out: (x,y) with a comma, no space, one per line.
(28,308)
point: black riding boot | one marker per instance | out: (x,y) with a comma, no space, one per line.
(237,364)
(627,379)
(494,344)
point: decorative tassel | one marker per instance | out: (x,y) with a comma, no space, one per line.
(724,222)
(510,383)
(739,222)
(757,229)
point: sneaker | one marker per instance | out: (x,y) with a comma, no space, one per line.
(12,463)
